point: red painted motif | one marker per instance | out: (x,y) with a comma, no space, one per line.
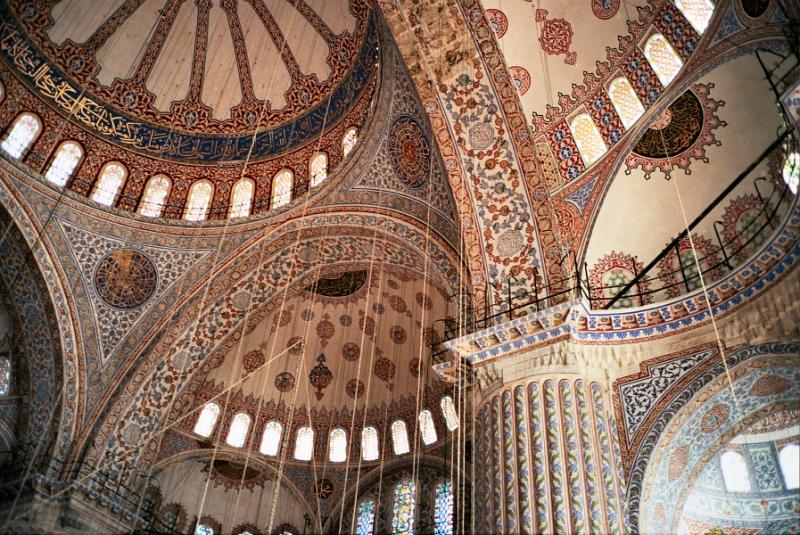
(556,37)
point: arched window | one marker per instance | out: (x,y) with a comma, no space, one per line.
(403,507)
(109,183)
(449,413)
(304,446)
(5,376)
(207,420)
(282,188)
(789,459)
(241,198)
(734,472)
(155,196)
(662,58)
(337,445)
(400,437)
(626,102)
(349,140)
(443,509)
(366,517)
(64,163)
(587,137)
(427,428)
(237,434)
(318,169)
(200,195)
(791,172)
(369,444)
(203,529)
(20,138)
(271,441)
(697,12)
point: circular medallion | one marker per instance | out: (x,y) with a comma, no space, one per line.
(398,335)
(384,369)
(675,130)
(126,278)
(350,351)
(252,360)
(284,381)
(522,79)
(510,243)
(355,388)
(414,367)
(295,345)
(605,9)
(409,152)
(714,418)
(497,21)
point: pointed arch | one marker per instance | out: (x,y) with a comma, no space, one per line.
(66,159)
(154,198)
(200,195)
(237,434)
(24,132)
(271,441)
(337,445)
(369,444)
(697,12)
(625,101)
(590,143)
(282,184)
(304,444)
(109,183)
(427,427)
(241,198)
(662,57)
(207,420)
(318,169)
(400,437)
(734,471)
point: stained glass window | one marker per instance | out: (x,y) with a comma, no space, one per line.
(662,58)
(443,509)
(238,431)
(155,196)
(791,171)
(5,376)
(349,141)
(109,183)
(427,428)
(271,441)
(66,160)
(203,529)
(207,420)
(449,412)
(199,200)
(304,446)
(369,444)
(697,12)
(22,135)
(403,508)
(319,169)
(366,517)
(789,459)
(282,188)
(626,102)
(400,437)
(241,198)
(337,445)
(734,472)
(587,137)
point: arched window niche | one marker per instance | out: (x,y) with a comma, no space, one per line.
(625,101)
(282,185)
(789,460)
(697,12)
(304,444)
(404,507)
(366,517)
(237,434)
(349,141)
(734,471)
(449,413)
(271,441)
(318,169)
(662,57)
(65,160)
(427,427)
(5,376)
(199,201)
(207,420)
(337,445)
(369,444)
(443,508)
(400,437)
(109,183)
(241,198)
(590,143)
(154,198)
(22,135)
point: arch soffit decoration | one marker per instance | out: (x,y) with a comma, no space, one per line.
(59,378)
(695,394)
(183,343)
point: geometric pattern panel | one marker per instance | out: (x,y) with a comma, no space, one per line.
(763,464)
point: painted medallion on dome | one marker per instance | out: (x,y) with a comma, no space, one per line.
(343,285)
(126,278)
(409,151)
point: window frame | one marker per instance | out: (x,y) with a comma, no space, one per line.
(29,146)
(99,179)
(54,156)
(142,201)
(187,205)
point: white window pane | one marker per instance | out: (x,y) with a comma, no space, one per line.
(22,135)
(587,137)
(282,189)
(427,427)
(734,472)
(67,158)
(318,169)
(200,195)
(450,414)
(337,445)
(237,434)
(626,101)
(155,196)
(697,12)
(400,437)
(241,198)
(789,458)
(207,420)
(369,444)
(662,58)
(271,441)
(304,446)
(109,183)
(349,141)
(5,376)
(791,172)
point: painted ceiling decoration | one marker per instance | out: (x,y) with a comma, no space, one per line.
(158,98)
(345,284)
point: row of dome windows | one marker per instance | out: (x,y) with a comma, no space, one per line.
(337,440)
(737,479)
(27,127)
(666,64)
